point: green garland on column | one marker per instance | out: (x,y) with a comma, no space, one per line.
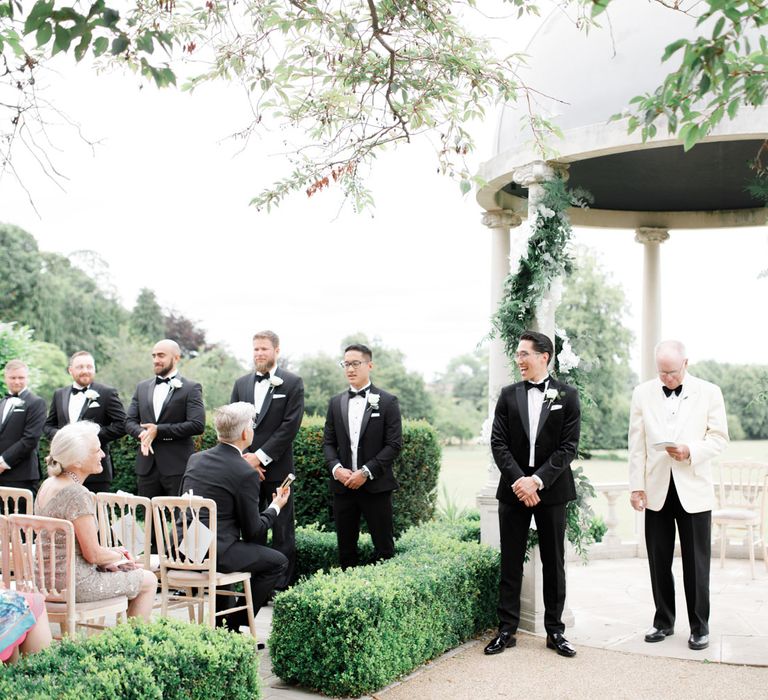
(547,258)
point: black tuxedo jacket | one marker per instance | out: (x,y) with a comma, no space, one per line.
(556,442)
(223,475)
(19,436)
(181,418)
(278,422)
(107,411)
(381,438)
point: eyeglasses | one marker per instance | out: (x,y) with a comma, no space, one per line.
(354,364)
(673,373)
(524,355)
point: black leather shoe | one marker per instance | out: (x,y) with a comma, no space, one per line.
(560,644)
(500,643)
(697,642)
(658,635)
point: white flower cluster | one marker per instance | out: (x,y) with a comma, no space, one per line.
(567,359)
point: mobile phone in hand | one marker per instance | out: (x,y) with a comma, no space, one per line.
(288,481)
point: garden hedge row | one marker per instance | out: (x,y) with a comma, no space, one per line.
(350,633)
(416,468)
(162,660)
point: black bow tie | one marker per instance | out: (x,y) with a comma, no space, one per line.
(162,380)
(261,377)
(353,393)
(668,392)
(11,396)
(531,385)
(81,390)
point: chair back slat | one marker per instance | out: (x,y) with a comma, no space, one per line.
(126,520)
(5,552)
(173,517)
(742,484)
(12,498)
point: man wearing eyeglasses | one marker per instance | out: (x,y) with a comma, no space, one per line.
(534,438)
(362,438)
(677,426)
(277,396)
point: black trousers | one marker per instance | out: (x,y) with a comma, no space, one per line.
(377,510)
(97,486)
(695,531)
(283,530)
(267,567)
(514,521)
(27,484)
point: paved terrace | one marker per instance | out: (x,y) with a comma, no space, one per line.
(612,605)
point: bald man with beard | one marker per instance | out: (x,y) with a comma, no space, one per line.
(165,414)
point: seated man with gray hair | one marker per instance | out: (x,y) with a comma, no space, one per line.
(221,473)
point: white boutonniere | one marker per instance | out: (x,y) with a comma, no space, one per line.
(16,402)
(551,395)
(91,395)
(176,383)
(373,400)
(274,380)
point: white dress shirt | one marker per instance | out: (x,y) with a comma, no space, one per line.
(260,391)
(671,409)
(535,404)
(76,403)
(161,394)
(355,413)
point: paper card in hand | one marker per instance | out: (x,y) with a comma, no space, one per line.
(195,545)
(129,534)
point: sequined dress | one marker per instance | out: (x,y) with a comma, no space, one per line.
(71,503)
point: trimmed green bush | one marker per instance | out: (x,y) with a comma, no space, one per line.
(162,660)
(417,469)
(349,633)
(316,550)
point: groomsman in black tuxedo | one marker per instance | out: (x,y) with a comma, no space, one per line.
(362,438)
(166,412)
(22,415)
(277,396)
(534,439)
(88,400)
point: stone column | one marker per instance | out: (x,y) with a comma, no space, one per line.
(651,238)
(500,222)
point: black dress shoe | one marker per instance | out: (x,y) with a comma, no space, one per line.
(697,642)
(500,643)
(560,644)
(658,635)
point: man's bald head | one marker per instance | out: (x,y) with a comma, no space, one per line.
(671,362)
(165,356)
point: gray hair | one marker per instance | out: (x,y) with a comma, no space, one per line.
(69,446)
(14,365)
(670,346)
(231,420)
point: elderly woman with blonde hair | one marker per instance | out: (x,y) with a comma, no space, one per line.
(100,572)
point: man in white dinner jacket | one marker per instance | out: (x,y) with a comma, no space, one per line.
(677,426)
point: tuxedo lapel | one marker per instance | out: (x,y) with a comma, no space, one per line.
(688,399)
(249,388)
(167,400)
(267,401)
(3,423)
(149,402)
(62,401)
(546,407)
(522,406)
(85,407)
(344,408)
(367,413)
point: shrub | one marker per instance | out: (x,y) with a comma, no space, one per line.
(163,660)
(316,550)
(349,633)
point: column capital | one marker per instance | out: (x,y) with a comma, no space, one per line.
(501,218)
(539,171)
(650,234)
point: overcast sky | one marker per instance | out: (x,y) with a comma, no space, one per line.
(164,197)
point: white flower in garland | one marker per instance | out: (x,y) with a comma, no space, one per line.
(176,383)
(274,380)
(567,359)
(546,212)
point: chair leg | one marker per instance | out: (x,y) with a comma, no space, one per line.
(722,545)
(751,545)
(249,607)
(211,607)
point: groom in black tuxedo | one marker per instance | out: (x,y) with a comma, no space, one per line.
(362,438)
(85,399)
(534,439)
(22,415)
(277,396)
(166,412)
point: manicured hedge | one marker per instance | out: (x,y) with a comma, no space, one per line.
(316,550)
(349,633)
(417,469)
(162,660)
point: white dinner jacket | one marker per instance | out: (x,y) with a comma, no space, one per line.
(701,425)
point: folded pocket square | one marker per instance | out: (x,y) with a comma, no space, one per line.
(278,396)
(556,408)
(375,415)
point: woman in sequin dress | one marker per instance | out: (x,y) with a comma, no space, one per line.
(100,572)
